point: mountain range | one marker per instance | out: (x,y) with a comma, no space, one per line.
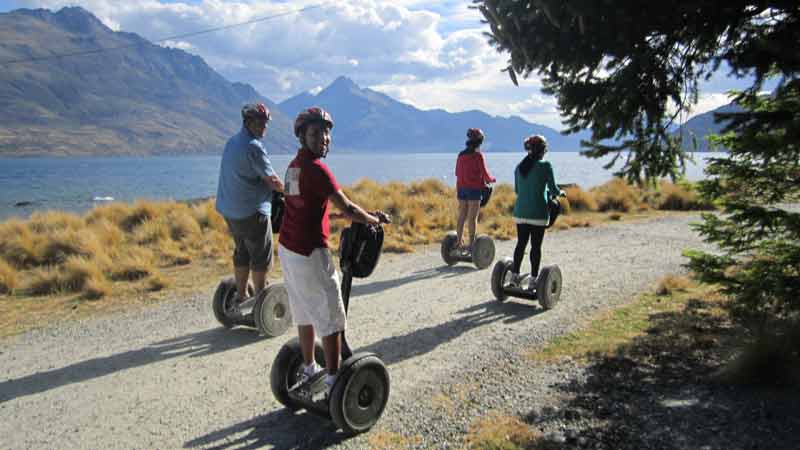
(697,129)
(142,98)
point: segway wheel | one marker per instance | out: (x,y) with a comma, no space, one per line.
(271,311)
(499,272)
(223,307)
(360,394)
(483,251)
(448,244)
(287,369)
(548,286)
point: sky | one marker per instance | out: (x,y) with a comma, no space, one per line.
(430,54)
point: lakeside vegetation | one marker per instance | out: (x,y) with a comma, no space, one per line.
(141,250)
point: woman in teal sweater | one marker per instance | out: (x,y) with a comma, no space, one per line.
(535,185)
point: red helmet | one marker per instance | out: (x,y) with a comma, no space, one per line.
(313,114)
(535,143)
(475,134)
(255,111)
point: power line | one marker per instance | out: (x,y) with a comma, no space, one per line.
(169,38)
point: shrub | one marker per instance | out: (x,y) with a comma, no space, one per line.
(152,231)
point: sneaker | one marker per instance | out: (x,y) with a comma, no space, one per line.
(512,279)
(532,283)
(310,376)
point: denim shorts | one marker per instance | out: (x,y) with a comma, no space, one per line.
(469,194)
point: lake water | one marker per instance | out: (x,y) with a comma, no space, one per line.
(78,184)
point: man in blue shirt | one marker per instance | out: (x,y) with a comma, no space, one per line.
(244,196)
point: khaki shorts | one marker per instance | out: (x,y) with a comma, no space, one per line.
(315,297)
(253,238)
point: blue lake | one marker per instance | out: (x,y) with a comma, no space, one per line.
(78,184)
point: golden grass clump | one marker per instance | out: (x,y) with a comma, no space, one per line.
(107,232)
(113,212)
(97,288)
(49,221)
(172,254)
(72,276)
(678,197)
(498,431)
(617,195)
(206,215)
(8,278)
(133,264)
(673,283)
(142,211)
(182,224)
(579,200)
(21,249)
(158,282)
(76,273)
(152,231)
(60,245)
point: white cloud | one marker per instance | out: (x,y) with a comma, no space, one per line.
(429,54)
(709,101)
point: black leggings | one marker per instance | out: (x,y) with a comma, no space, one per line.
(536,235)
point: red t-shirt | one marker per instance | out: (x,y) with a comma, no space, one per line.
(471,171)
(308,185)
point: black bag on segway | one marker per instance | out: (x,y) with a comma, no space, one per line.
(486,194)
(278,206)
(554,206)
(360,249)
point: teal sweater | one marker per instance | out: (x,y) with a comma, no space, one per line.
(533,192)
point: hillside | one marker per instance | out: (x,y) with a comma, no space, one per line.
(143,99)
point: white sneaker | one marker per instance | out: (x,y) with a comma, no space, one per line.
(532,283)
(310,374)
(512,279)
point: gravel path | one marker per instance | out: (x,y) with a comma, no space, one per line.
(170,377)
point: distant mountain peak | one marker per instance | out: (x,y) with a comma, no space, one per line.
(79,20)
(342,84)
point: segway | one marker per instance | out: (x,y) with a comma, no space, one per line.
(359,395)
(268,311)
(547,289)
(482,251)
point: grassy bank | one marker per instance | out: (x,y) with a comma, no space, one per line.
(64,263)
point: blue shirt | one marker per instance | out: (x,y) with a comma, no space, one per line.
(241,191)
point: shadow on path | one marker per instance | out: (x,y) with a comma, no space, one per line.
(198,344)
(378,286)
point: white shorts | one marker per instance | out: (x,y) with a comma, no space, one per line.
(313,286)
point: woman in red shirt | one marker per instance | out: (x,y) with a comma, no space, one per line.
(471,177)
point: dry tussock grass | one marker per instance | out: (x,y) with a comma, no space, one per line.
(578,200)
(671,284)
(158,282)
(49,221)
(497,431)
(617,195)
(8,278)
(126,242)
(677,197)
(133,264)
